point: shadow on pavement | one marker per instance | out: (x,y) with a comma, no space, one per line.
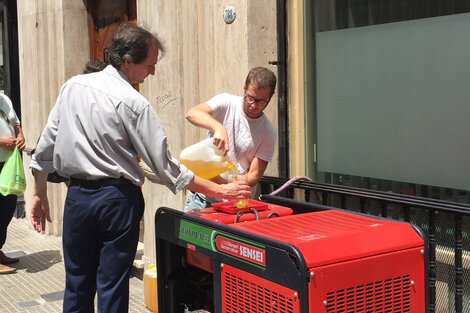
(39,261)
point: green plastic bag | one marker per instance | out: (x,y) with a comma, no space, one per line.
(12,179)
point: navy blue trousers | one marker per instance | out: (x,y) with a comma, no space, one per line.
(100,236)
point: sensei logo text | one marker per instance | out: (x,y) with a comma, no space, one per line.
(241,250)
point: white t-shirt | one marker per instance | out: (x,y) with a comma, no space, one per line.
(8,121)
(248,138)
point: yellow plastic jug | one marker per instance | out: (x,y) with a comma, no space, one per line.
(150,288)
(205,160)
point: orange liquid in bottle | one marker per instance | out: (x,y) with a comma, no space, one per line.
(150,288)
(208,169)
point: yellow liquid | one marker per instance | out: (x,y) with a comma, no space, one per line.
(231,166)
(241,204)
(150,290)
(208,169)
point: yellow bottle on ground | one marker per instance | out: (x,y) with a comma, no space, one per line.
(150,288)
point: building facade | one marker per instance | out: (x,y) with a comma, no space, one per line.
(371,94)
(206,53)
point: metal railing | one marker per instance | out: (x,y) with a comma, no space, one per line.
(446,224)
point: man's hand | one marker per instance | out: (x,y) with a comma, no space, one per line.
(232,190)
(8,143)
(39,213)
(20,142)
(235,190)
(220,139)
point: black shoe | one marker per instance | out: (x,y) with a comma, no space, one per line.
(7,260)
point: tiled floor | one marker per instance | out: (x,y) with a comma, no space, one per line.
(38,284)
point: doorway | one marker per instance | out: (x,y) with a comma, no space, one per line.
(104,18)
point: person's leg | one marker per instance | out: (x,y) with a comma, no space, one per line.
(121,210)
(80,248)
(7,208)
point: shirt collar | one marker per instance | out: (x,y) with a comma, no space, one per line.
(116,72)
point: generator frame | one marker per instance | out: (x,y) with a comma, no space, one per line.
(180,236)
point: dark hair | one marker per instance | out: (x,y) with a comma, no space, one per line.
(261,77)
(94,66)
(132,43)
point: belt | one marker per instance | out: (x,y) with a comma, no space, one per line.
(93,184)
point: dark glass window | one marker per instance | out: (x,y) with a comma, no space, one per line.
(341,14)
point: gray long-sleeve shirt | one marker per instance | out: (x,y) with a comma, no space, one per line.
(98,126)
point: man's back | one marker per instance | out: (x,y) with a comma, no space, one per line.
(97,112)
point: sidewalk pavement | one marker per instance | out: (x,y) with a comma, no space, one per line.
(38,284)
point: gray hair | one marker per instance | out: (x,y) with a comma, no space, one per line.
(132,43)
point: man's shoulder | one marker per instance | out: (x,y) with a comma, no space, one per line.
(225,97)
(226,94)
(5,99)
(6,105)
(224,101)
(113,86)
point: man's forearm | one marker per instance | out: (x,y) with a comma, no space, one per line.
(40,182)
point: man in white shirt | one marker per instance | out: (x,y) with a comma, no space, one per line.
(240,129)
(94,133)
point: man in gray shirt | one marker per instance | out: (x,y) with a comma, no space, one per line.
(97,128)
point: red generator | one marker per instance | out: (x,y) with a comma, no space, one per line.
(308,259)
